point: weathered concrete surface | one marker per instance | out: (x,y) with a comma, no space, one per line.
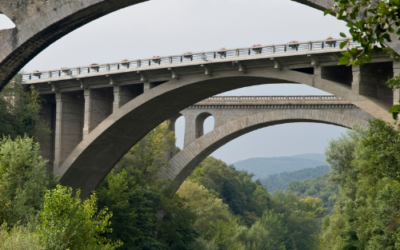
(186,160)
(102,148)
(39,23)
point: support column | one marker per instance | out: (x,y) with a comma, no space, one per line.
(69,125)
(190,129)
(98,106)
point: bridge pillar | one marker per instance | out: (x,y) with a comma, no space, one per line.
(98,106)
(396,72)
(69,125)
(190,128)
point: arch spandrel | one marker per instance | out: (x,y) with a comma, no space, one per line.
(185,161)
(103,147)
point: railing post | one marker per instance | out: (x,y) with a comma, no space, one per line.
(169,59)
(108,67)
(272,49)
(49,73)
(138,64)
(78,71)
(237,52)
(310,46)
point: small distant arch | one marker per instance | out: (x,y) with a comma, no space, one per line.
(177,121)
(6,23)
(209,124)
(199,125)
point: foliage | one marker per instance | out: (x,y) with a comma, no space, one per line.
(146,214)
(19,238)
(369,22)
(321,187)
(367,208)
(67,223)
(215,223)
(20,111)
(282,180)
(245,197)
(23,180)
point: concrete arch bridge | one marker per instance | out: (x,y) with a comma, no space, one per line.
(235,116)
(98,112)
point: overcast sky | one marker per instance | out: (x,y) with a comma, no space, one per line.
(165,27)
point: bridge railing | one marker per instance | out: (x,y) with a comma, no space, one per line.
(188,57)
(223,99)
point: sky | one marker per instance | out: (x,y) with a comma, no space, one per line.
(168,27)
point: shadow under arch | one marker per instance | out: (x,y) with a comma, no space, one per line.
(95,156)
(191,156)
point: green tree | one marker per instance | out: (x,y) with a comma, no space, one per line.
(146,213)
(366,210)
(23,180)
(20,111)
(245,197)
(67,223)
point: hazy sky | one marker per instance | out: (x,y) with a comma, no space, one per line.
(164,27)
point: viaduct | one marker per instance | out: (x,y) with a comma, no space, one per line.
(237,115)
(98,112)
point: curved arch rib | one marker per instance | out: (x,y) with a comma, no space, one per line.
(192,155)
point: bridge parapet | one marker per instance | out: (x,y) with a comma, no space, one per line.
(279,50)
(312,99)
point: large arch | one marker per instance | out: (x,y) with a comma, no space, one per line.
(40,23)
(192,155)
(99,151)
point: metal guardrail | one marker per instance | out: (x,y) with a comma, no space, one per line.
(187,57)
(257,99)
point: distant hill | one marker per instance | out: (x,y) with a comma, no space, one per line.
(264,167)
(281,181)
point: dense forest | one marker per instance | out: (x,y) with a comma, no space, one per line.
(354,206)
(281,181)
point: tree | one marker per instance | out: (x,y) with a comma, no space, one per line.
(67,223)
(20,111)
(367,208)
(23,180)
(146,213)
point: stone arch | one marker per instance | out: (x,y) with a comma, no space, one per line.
(185,161)
(199,125)
(42,22)
(95,156)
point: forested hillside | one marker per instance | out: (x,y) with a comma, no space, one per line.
(282,180)
(321,187)
(264,167)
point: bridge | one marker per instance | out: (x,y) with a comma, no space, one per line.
(235,116)
(98,112)
(42,22)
